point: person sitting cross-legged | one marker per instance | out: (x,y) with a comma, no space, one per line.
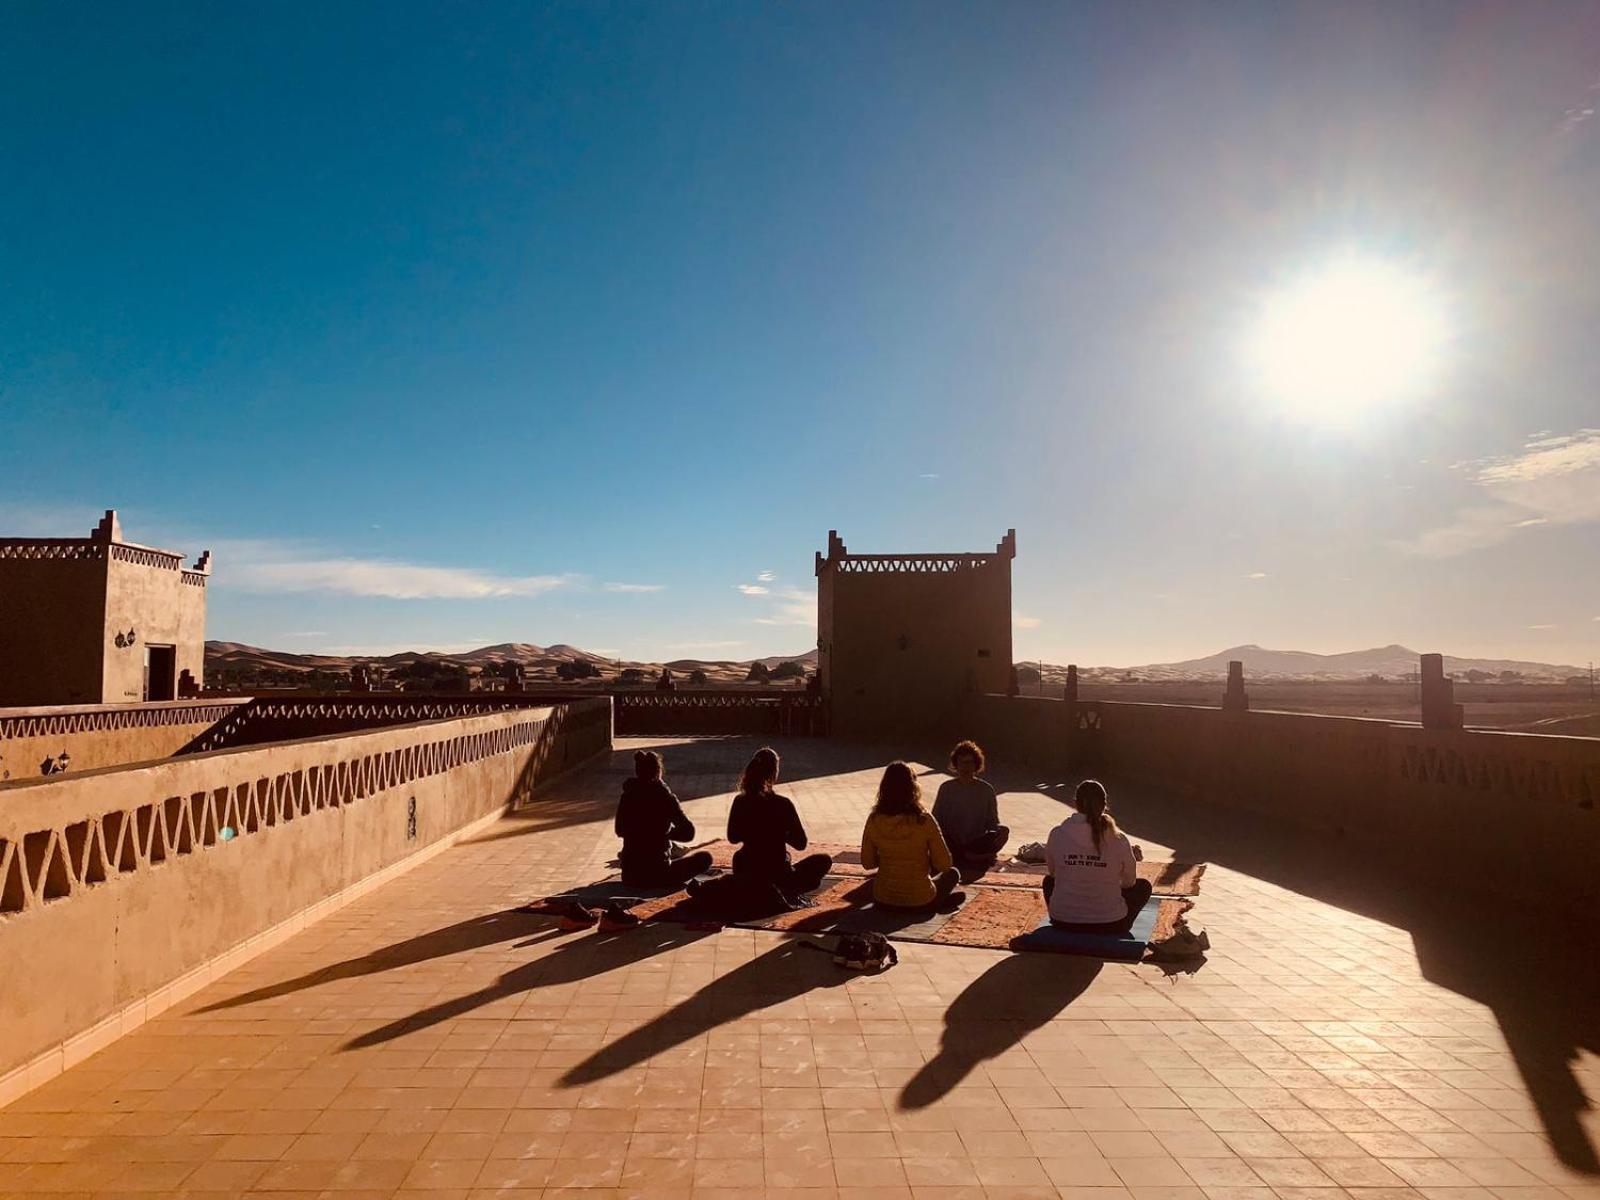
(649,820)
(968,813)
(1092,882)
(764,825)
(902,843)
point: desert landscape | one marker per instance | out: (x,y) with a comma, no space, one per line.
(1380,683)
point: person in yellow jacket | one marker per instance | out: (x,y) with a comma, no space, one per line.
(902,843)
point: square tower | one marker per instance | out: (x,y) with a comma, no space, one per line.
(99,620)
(900,637)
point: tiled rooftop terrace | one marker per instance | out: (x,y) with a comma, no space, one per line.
(1350,1034)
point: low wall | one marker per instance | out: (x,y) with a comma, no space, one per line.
(790,712)
(1486,809)
(121,889)
(102,735)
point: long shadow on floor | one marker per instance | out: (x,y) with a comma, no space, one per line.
(786,971)
(574,961)
(1538,973)
(472,934)
(994,1013)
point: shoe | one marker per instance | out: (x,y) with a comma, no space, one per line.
(951,902)
(616,918)
(1181,945)
(575,916)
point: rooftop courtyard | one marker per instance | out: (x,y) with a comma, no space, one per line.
(1350,1034)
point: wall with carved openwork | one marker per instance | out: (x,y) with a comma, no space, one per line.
(115,883)
(789,712)
(33,741)
(1481,809)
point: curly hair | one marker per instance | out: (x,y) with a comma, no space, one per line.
(968,747)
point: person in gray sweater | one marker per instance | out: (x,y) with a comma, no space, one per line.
(968,813)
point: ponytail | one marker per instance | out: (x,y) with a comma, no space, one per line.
(1091,801)
(760,773)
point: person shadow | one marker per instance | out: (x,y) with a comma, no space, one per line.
(788,970)
(574,961)
(999,1008)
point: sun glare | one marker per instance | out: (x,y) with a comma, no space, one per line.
(1354,335)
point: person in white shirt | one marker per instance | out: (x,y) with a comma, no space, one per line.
(1092,882)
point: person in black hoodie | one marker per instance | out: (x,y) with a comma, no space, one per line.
(764,825)
(649,820)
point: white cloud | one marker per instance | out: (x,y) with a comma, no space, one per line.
(633,587)
(1552,481)
(753,589)
(1018,621)
(286,567)
(705,645)
(307,633)
(1543,626)
(929,475)
(1256,575)
(765,577)
(791,606)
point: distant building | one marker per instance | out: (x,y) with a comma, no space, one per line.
(99,620)
(900,637)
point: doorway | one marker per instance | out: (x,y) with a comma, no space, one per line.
(160,672)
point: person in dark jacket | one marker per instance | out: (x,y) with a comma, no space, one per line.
(764,825)
(649,820)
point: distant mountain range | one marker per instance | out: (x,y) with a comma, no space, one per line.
(1392,662)
(537,661)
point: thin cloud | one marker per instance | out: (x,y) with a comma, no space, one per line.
(1256,575)
(753,589)
(286,567)
(1544,627)
(928,475)
(306,633)
(726,645)
(1018,621)
(765,577)
(1555,480)
(632,588)
(792,607)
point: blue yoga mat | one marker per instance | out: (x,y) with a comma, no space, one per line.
(1129,947)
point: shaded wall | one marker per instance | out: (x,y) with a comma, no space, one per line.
(103,735)
(897,649)
(52,613)
(120,890)
(1478,809)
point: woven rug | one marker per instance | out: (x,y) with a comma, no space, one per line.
(1166,878)
(991,917)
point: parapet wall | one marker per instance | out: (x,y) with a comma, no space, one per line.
(1481,809)
(102,735)
(122,890)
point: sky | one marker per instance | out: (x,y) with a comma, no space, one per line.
(449,325)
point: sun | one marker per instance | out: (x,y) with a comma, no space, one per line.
(1356,334)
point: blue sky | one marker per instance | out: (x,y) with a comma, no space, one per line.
(446,325)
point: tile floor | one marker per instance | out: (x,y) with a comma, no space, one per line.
(430,1041)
